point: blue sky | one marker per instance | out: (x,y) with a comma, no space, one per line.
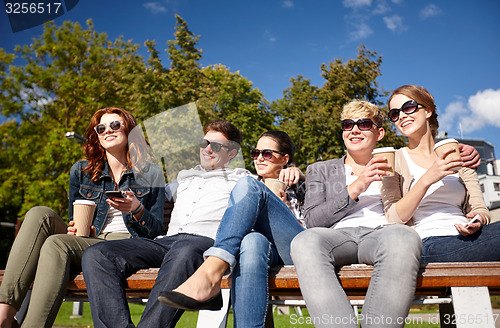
(450,47)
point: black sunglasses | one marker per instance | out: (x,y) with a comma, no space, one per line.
(266,153)
(101,128)
(409,107)
(216,147)
(363,124)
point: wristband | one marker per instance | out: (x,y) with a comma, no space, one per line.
(137,210)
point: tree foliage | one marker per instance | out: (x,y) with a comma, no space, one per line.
(56,83)
(69,72)
(311,114)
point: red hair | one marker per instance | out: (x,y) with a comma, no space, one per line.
(95,153)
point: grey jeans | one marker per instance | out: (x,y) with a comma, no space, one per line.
(43,254)
(393,250)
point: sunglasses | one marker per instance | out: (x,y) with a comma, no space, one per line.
(101,128)
(216,147)
(409,107)
(266,153)
(363,124)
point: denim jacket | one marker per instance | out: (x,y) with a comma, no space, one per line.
(148,186)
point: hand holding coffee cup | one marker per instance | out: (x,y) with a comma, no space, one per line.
(389,154)
(445,145)
(83,214)
(275,185)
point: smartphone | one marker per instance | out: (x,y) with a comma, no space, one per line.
(114,194)
(474,219)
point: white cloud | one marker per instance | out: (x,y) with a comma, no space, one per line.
(395,23)
(430,10)
(362,32)
(268,35)
(485,108)
(288,4)
(356,3)
(447,120)
(381,8)
(155,7)
(481,109)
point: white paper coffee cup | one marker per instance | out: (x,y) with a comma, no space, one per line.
(389,154)
(275,185)
(446,144)
(83,213)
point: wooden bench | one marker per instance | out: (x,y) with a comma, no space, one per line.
(463,289)
(465,286)
(434,279)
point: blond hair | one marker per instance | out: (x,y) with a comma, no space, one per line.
(364,109)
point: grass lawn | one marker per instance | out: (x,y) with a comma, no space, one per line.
(189,319)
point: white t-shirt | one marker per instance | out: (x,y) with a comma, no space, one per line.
(369,210)
(441,206)
(114,221)
(201,198)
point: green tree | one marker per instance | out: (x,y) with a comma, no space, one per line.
(311,115)
(230,96)
(301,115)
(185,75)
(217,92)
(68,73)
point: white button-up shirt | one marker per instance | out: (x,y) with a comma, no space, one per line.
(201,198)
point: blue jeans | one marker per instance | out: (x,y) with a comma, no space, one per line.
(479,247)
(394,251)
(106,265)
(255,232)
(250,289)
(253,207)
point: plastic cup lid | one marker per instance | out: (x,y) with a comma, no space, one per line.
(383,150)
(84,202)
(444,142)
(274,179)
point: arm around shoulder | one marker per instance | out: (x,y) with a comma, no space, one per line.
(474,201)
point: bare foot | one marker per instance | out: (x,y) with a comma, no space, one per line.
(205,282)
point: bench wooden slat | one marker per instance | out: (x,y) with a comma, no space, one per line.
(433,279)
(430,276)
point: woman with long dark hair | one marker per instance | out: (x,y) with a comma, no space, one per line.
(46,250)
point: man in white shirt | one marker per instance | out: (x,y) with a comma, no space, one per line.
(201,196)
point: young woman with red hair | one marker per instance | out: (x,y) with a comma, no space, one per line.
(46,250)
